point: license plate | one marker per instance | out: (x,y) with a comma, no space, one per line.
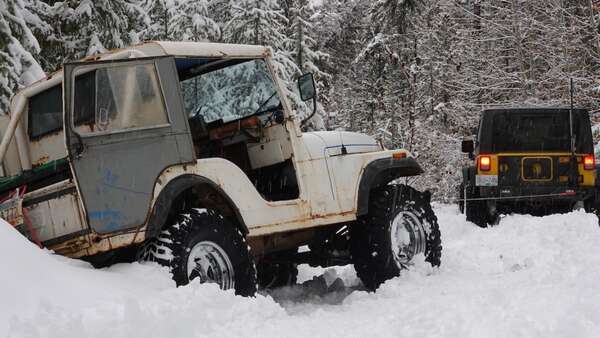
(486,180)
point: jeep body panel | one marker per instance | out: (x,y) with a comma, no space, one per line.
(258,216)
(54,212)
(115,170)
(322,144)
(315,207)
(121,182)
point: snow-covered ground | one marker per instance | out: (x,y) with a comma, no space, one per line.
(526,277)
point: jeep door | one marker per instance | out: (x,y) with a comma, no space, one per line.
(138,129)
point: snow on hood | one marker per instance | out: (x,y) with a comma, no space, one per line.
(329,143)
(527,277)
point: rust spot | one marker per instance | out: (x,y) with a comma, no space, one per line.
(71,247)
(40,161)
(45,137)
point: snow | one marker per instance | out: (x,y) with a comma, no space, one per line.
(526,277)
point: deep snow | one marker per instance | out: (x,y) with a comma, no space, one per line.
(526,277)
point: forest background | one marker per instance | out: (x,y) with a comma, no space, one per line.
(412,73)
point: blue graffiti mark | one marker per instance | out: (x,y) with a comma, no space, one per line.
(109,180)
(106,220)
(109,177)
(105,214)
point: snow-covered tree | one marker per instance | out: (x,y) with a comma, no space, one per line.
(392,14)
(302,48)
(87,27)
(304,45)
(160,13)
(18,48)
(191,21)
(258,22)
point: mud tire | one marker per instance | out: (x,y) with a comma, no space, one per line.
(371,240)
(174,244)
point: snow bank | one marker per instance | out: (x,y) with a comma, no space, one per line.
(527,277)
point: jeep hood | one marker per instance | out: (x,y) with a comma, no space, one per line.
(320,144)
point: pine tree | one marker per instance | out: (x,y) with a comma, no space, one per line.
(160,13)
(261,22)
(191,22)
(89,27)
(303,46)
(391,15)
(302,49)
(257,22)
(18,46)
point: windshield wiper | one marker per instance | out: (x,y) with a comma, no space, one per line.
(264,103)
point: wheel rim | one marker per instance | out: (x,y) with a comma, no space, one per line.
(208,262)
(408,237)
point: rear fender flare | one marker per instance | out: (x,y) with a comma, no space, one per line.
(163,203)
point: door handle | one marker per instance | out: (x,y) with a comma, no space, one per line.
(102,119)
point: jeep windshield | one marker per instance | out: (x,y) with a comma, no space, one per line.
(226,90)
(534,130)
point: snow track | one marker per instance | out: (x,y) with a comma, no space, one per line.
(527,277)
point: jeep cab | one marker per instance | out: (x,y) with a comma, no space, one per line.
(190,155)
(528,160)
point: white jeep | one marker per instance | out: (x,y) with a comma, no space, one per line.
(189,154)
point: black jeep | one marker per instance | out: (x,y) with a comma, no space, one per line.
(528,160)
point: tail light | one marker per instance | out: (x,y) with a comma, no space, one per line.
(589,162)
(485,163)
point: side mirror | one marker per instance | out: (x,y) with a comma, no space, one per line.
(467,146)
(306,87)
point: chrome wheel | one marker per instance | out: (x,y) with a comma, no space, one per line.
(408,237)
(209,262)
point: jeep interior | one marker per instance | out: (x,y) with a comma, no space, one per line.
(235,113)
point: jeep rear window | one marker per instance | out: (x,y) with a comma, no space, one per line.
(531,131)
(45,113)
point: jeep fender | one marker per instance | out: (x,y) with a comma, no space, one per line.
(380,172)
(163,203)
